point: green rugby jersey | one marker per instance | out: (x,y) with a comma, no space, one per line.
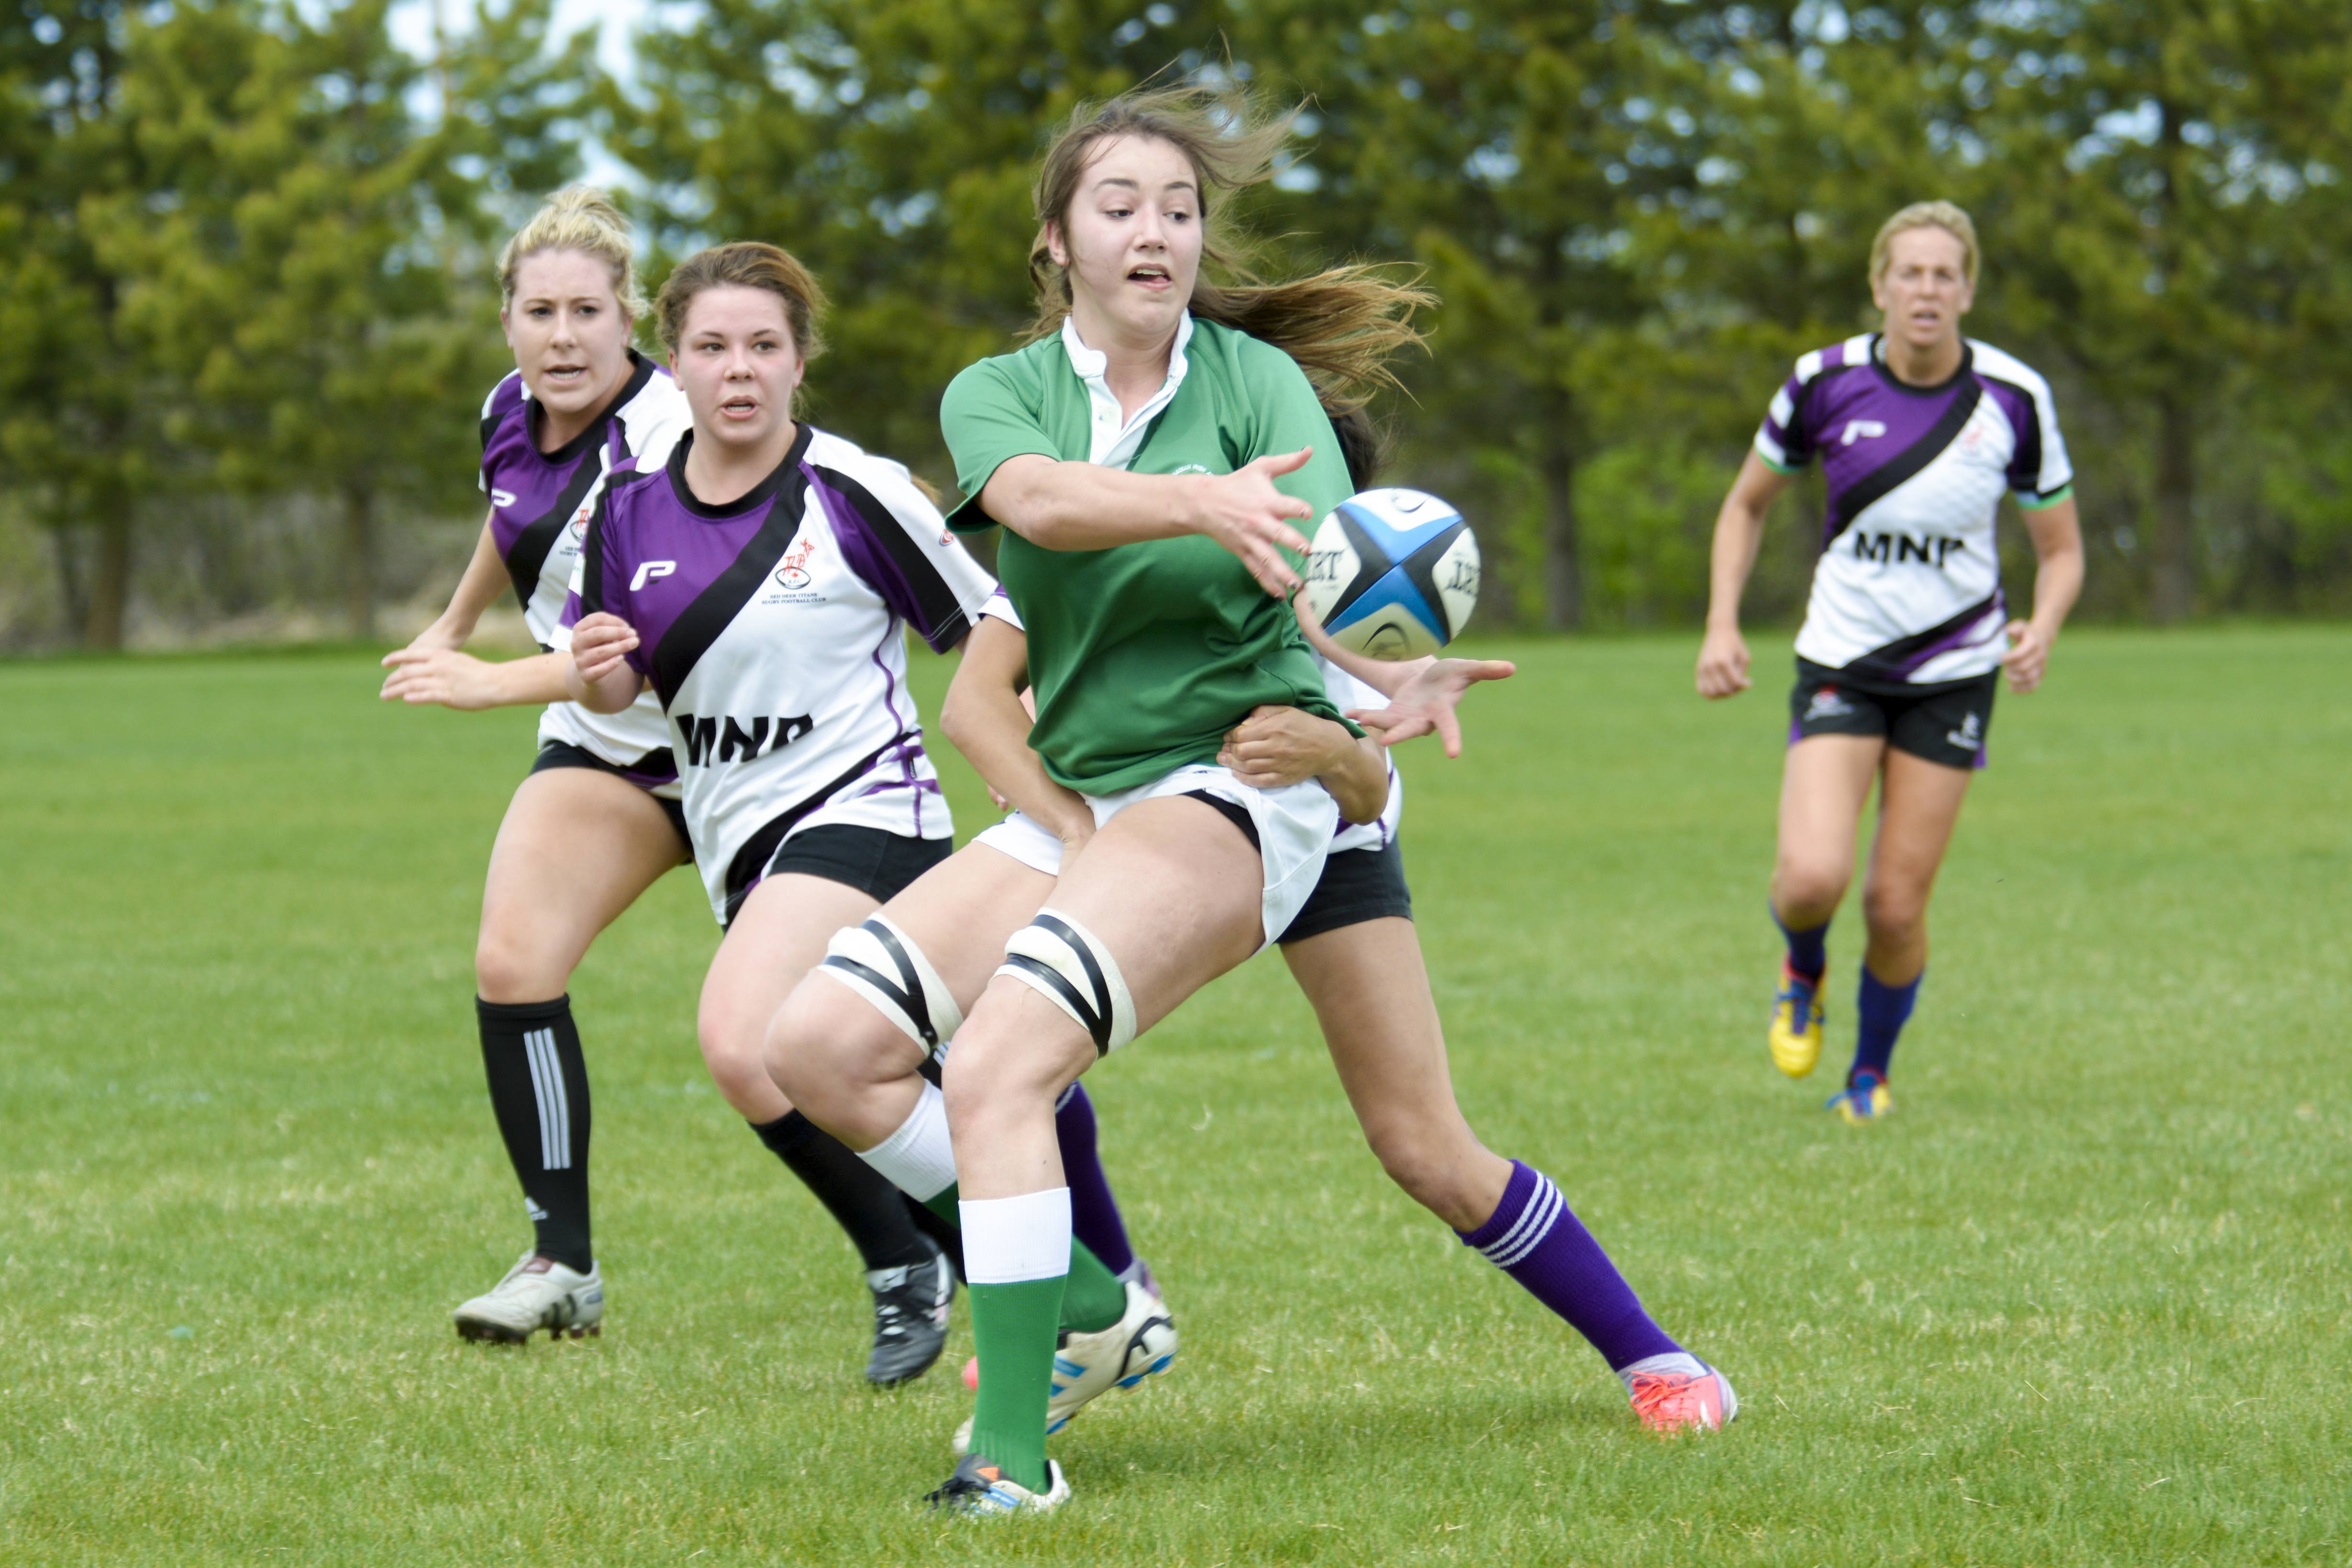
(1143,655)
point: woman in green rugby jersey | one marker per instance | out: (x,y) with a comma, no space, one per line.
(1148,454)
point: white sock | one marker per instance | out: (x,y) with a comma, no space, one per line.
(1009,1240)
(919,1158)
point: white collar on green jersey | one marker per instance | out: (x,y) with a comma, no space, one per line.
(1113,440)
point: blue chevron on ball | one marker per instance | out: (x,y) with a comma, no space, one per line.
(1393,574)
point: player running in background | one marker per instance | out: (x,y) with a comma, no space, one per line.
(597,820)
(1919,432)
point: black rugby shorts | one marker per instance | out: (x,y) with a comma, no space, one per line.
(1947,722)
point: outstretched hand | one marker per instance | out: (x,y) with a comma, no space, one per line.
(1244,513)
(422,674)
(1424,704)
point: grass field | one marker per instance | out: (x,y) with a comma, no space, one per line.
(2086,1298)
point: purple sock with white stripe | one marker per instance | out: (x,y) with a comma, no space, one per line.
(1536,1239)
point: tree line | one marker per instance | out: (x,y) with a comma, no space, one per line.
(245,251)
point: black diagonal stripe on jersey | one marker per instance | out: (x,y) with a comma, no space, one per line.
(750,862)
(641,371)
(715,608)
(2029,440)
(944,623)
(528,555)
(1421,567)
(1875,485)
(1886,663)
(1371,564)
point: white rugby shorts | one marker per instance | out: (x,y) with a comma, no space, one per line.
(1024,839)
(1294,826)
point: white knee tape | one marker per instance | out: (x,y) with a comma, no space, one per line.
(879,962)
(1063,963)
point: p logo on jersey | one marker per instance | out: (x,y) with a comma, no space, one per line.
(1393,574)
(651,572)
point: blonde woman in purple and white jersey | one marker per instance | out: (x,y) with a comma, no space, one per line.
(1920,431)
(597,819)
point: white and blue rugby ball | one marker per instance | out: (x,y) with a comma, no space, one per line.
(1393,574)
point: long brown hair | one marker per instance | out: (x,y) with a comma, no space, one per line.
(1341,324)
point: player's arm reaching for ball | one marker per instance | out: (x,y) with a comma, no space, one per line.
(1422,693)
(1738,531)
(2057,579)
(434,667)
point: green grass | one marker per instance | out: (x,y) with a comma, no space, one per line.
(2084,1298)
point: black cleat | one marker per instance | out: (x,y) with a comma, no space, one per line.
(910,1319)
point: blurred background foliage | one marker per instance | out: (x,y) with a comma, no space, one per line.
(247,314)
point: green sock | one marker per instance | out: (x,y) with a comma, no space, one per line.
(1094,1301)
(1015,1328)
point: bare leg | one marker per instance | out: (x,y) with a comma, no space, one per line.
(1825,784)
(852,1071)
(576,849)
(1017,1051)
(1371,992)
(1918,806)
(1170,891)
(777,937)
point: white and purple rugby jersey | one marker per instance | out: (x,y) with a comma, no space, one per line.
(539,507)
(773,630)
(1346,692)
(1908,589)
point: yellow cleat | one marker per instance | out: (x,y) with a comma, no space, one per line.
(1862,1102)
(1796,1034)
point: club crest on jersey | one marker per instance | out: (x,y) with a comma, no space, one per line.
(579,520)
(793,573)
(1827,704)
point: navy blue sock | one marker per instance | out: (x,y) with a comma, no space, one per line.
(1880,1012)
(1809,951)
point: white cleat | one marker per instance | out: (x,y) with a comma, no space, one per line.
(1141,1345)
(978,1490)
(537,1293)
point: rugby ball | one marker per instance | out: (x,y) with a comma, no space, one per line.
(1393,574)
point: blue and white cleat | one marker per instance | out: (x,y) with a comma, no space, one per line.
(1863,1099)
(977,1489)
(1141,1345)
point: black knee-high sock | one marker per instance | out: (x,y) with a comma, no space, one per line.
(869,1207)
(539,1090)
